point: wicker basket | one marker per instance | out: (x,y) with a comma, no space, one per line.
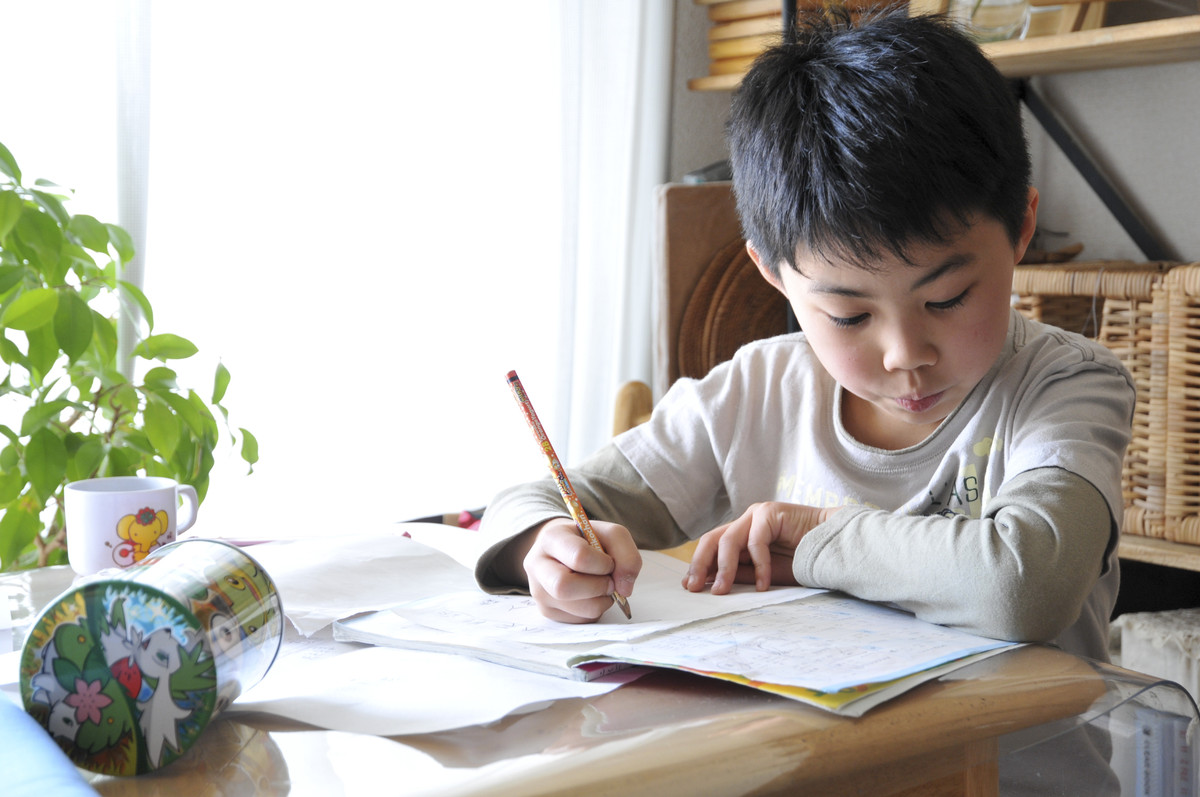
(1122,305)
(1182,417)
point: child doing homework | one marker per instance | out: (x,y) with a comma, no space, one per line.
(919,442)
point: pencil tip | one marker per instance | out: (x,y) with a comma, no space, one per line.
(624,604)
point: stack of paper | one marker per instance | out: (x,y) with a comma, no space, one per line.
(821,648)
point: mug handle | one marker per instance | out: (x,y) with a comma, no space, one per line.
(192,503)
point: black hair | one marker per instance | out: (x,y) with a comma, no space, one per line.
(857,139)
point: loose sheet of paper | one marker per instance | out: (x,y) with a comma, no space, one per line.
(389,692)
(325,579)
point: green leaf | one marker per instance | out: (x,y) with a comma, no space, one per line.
(39,415)
(165,347)
(10,353)
(135,293)
(45,462)
(211,433)
(162,427)
(31,309)
(43,351)
(121,241)
(11,484)
(73,324)
(122,462)
(10,276)
(249,446)
(161,377)
(54,206)
(105,338)
(11,207)
(8,164)
(220,383)
(85,460)
(125,398)
(186,411)
(39,239)
(76,258)
(18,527)
(90,232)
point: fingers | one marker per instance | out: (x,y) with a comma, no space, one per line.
(573,582)
(627,561)
(738,552)
(756,548)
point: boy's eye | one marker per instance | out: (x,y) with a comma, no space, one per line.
(949,304)
(848,321)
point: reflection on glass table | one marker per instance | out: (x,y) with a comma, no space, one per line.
(1032,720)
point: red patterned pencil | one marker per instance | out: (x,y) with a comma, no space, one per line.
(560,476)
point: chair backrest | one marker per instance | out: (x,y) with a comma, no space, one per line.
(710,297)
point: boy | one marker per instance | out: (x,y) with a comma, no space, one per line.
(920,442)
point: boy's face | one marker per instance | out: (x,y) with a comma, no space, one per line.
(908,342)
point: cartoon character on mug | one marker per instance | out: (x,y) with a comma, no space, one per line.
(140,533)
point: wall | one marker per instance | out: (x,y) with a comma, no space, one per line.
(1139,123)
(697,117)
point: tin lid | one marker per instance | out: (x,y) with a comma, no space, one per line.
(121,675)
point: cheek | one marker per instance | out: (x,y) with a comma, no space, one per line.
(985,337)
(847,362)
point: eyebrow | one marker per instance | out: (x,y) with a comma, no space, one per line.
(954,263)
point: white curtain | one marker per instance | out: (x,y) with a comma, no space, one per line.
(370,213)
(617,69)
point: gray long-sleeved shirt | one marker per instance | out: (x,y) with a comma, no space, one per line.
(1002,522)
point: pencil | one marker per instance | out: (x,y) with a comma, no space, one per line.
(560,477)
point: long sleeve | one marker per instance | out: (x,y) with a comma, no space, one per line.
(1021,572)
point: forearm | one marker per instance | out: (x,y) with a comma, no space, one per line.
(1021,573)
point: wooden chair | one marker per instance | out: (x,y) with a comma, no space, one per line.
(709,297)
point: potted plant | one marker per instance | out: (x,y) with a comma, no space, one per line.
(68,408)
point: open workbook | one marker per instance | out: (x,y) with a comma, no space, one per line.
(822,648)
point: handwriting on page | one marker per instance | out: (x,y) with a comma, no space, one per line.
(825,642)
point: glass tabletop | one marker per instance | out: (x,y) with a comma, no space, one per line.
(1033,710)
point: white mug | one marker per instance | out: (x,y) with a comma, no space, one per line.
(116,521)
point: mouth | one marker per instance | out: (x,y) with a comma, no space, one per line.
(919,404)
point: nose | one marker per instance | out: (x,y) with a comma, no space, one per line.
(908,347)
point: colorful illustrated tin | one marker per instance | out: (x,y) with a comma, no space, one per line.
(126,670)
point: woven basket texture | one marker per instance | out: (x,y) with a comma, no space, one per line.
(1182,416)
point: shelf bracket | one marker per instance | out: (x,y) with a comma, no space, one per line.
(1150,244)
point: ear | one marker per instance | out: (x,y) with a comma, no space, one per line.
(765,270)
(1028,225)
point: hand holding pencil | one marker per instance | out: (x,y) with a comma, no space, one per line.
(560,477)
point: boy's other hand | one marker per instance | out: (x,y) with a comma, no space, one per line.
(571,581)
(757,548)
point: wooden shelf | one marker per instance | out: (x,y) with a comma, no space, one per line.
(1160,552)
(1160,41)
